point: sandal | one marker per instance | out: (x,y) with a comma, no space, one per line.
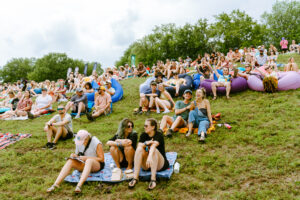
(132,183)
(214,98)
(150,187)
(52,188)
(77,189)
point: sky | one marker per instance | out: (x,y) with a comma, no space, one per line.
(97,30)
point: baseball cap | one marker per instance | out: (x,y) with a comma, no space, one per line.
(188,90)
(44,89)
(153,83)
(108,82)
(81,136)
(79,90)
(102,88)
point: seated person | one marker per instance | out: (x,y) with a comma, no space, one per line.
(59,126)
(147,99)
(88,157)
(200,115)
(43,103)
(6,103)
(270,77)
(88,88)
(140,71)
(165,100)
(181,114)
(294,47)
(223,81)
(150,154)
(24,106)
(172,69)
(123,145)
(60,92)
(261,59)
(78,103)
(110,90)
(176,82)
(159,77)
(102,104)
(245,74)
(291,66)
(236,55)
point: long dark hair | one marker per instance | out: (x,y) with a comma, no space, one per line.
(122,126)
(153,122)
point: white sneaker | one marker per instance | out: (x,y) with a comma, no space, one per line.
(166,111)
(77,117)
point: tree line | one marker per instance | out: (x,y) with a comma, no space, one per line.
(52,66)
(234,30)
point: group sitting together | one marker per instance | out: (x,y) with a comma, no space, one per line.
(147,153)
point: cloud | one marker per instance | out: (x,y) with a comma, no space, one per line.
(99,30)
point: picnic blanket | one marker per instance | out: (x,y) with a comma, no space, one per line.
(17,118)
(105,174)
(9,138)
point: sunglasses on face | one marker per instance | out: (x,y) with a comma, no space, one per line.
(129,126)
(59,108)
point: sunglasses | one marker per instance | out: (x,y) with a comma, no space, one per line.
(59,108)
(145,126)
(129,126)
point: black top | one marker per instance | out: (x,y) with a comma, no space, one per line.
(132,136)
(159,137)
(149,91)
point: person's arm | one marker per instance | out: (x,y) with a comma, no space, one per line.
(167,94)
(108,103)
(209,112)
(82,98)
(216,72)
(179,111)
(261,72)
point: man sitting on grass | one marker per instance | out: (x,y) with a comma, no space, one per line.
(182,109)
(78,103)
(60,126)
(102,104)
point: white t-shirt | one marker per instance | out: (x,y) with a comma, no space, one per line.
(112,90)
(92,150)
(68,118)
(43,101)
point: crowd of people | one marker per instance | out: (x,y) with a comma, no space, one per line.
(147,152)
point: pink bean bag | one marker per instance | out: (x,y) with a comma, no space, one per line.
(287,81)
(237,85)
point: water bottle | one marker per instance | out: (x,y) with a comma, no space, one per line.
(176,168)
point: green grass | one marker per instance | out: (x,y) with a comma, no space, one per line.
(257,159)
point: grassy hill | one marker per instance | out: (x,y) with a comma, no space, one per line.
(257,159)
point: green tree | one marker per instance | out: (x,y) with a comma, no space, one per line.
(236,29)
(16,69)
(283,21)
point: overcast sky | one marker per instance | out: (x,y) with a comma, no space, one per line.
(96,30)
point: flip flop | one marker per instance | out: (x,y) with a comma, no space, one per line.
(150,185)
(52,188)
(132,183)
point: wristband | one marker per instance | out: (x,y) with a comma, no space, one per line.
(145,143)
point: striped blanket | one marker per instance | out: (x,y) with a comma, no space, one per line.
(9,138)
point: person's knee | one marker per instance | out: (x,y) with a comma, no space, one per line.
(113,148)
(128,148)
(140,150)
(89,161)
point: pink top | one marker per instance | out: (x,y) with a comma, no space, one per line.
(283,44)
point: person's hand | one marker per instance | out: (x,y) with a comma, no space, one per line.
(149,162)
(84,158)
(73,155)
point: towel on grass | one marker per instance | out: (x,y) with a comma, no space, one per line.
(105,174)
(9,138)
(17,118)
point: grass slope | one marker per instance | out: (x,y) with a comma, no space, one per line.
(257,159)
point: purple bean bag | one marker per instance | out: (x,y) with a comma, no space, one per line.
(237,85)
(287,81)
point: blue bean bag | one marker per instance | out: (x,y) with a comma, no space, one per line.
(38,90)
(119,90)
(95,85)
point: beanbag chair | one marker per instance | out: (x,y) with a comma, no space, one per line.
(119,90)
(237,85)
(38,90)
(3,110)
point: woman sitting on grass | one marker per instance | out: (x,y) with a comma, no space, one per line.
(23,107)
(123,145)
(150,153)
(88,157)
(200,115)
(291,66)
(88,88)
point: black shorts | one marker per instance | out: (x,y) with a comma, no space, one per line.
(166,166)
(124,163)
(68,136)
(102,165)
(171,103)
(76,109)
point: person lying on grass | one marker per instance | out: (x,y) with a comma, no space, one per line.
(43,103)
(245,74)
(223,81)
(150,154)
(147,99)
(200,115)
(78,103)
(88,157)
(24,105)
(123,145)
(59,127)
(102,104)
(176,82)
(165,100)
(182,109)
